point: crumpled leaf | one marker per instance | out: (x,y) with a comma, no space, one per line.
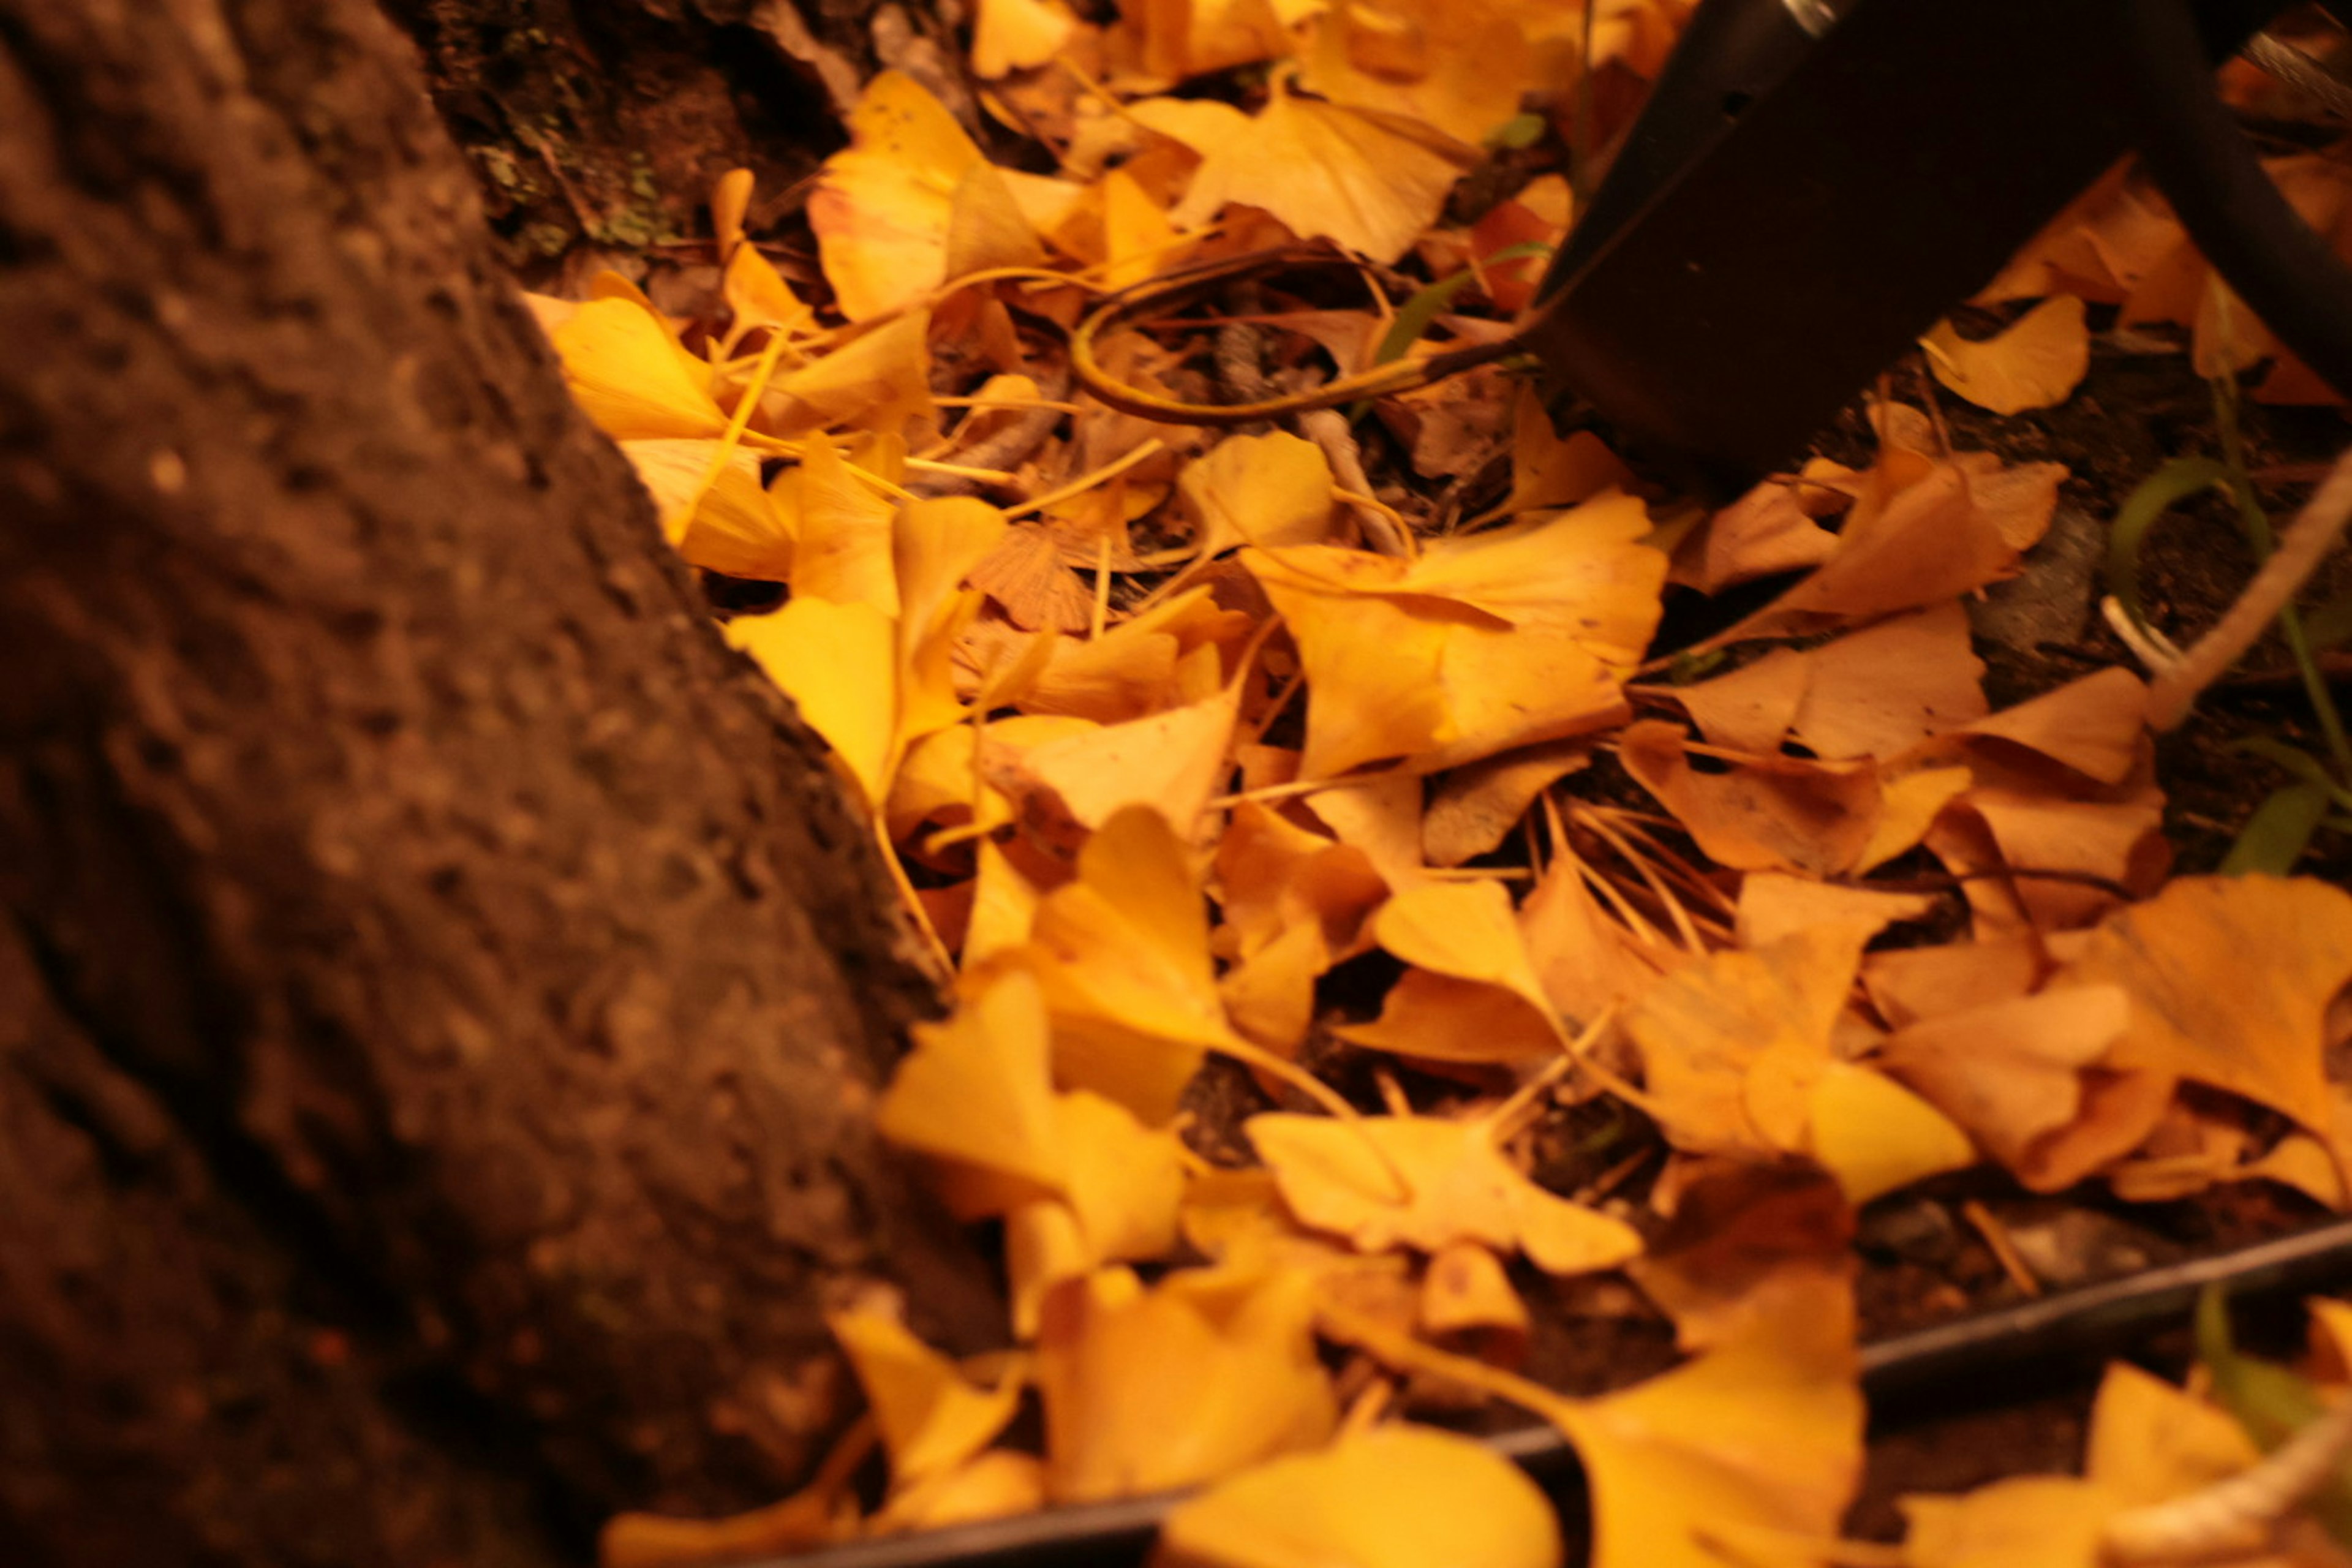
(2012,1072)
(1370,182)
(2036,362)
(1146,1389)
(1486,642)
(1343,1177)
(1396,1497)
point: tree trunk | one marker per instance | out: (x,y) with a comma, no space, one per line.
(440,989)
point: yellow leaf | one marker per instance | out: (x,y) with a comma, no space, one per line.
(1733,1046)
(2026,1522)
(1370,183)
(986,228)
(1172,763)
(1138,240)
(737,529)
(1749,1247)
(931,1420)
(844,555)
(1767,813)
(934,545)
(2184,958)
(975,1092)
(1265,491)
(1124,1180)
(1123,954)
(839,662)
(1003,908)
(1013,35)
(1875,1135)
(1122,1186)
(1466,930)
(1342,1176)
(883,206)
(1551,469)
(1487,642)
(1182,38)
(1762,1436)
(1458,69)
(1396,1497)
(2011,1071)
(1435,1018)
(1205,1373)
(2035,361)
(1890,686)
(2095,725)
(995,1485)
(877,380)
(1772,906)
(629,376)
(1465,1289)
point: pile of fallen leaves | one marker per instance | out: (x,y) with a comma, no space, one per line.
(1175,724)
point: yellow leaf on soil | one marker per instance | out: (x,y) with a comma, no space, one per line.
(1342,1176)
(877,380)
(1014,34)
(1879,690)
(737,529)
(2011,1072)
(1205,1373)
(1750,709)
(976,1092)
(1370,183)
(629,375)
(1768,813)
(931,1420)
(2184,958)
(1750,1445)
(1172,762)
(1875,1135)
(2036,362)
(995,1485)
(839,662)
(883,206)
(1396,1497)
(1733,1045)
(1487,642)
(1266,491)
(1123,954)
(1551,469)
(846,536)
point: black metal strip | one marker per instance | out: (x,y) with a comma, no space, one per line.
(2097,1319)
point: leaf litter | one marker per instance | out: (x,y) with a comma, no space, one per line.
(1193,748)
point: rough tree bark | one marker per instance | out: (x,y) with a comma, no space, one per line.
(440,988)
